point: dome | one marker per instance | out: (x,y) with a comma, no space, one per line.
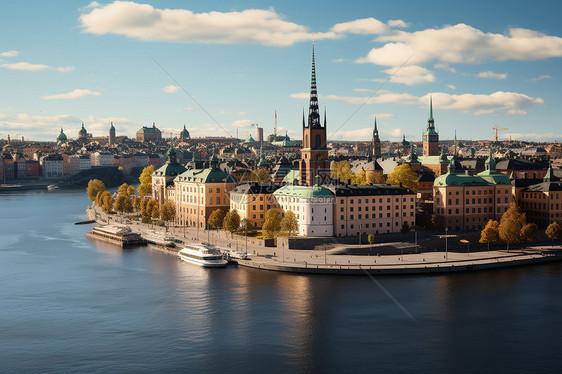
(82,133)
(62,136)
(184,134)
(112,128)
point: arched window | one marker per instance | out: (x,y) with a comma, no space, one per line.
(306,141)
(318,141)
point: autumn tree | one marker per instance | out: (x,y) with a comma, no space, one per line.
(511,224)
(143,206)
(260,175)
(152,208)
(490,233)
(529,232)
(375,178)
(216,218)
(246,226)
(123,203)
(359,178)
(131,190)
(94,186)
(98,199)
(231,222)
(554,231)
(106,200)
(289,223)
(168,211)
(123,189)
(272,224)
(403,174)
(145,187)
(371,239)
(341,170)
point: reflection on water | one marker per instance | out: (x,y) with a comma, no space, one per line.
(88,306)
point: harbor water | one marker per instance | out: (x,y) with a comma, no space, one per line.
(69,304)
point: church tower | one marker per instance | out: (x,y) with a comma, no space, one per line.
(430,137)
(314,152)
(376,142)
(111,140)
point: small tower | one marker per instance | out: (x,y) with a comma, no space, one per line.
(83,133)
(376,142)
(430,137)
(62,137)
(314,152)
(111,140)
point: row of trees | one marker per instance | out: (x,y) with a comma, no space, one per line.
(513,228)
(402,175)
(274,222)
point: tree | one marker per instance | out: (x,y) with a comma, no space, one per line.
(152,208)
(375,178)
(289,223)
(137,202)
(272,224)
(490,233)
(359,178)
(145,187)
(529,232)
(106,199)
(168,211)
(98,200)
(216,218)
(341,170)
(94,186)
(231,222)
(371,239)
(246,226)
(144,207)
(123,189)
(260,175)
(554,231)
(405,228)
(120,203)
(131,190)
(511,224)
(403,174)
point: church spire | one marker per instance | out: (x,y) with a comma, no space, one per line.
(376,130)
(313,114)
(430,120)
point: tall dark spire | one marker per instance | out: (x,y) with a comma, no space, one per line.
(376,130)
(313,114)
(430,120)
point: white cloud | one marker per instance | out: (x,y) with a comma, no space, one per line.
(340,59)
(65,69)
(444,66)
(242,123)
(476,104)
(381,116)
(171,89)
(452,86)
(463,44)
(11,53)
(25,66)
(491,75)
(541,78)
(365,26)
(397,23)
(410,75)
(222,111)
(142,21)
(75,94)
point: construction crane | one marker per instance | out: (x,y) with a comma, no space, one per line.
(496,128)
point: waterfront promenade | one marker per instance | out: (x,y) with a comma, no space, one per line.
(337,260)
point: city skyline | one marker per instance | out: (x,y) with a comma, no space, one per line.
(217,67)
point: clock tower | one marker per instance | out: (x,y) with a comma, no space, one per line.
(430,137)
(314,153)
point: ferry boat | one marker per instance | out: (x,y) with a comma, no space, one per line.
(203,255)
(154,237)
(120,235)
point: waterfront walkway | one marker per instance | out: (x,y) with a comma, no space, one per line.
(337,261)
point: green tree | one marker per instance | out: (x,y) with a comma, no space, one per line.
(260,175)
(145,187)
(289,223)
(94,186)
(216,218)
(168,211)
(403,174)
(490,233)
(272,224)
(405,228)
(554,231)
(529,232)
(231,222)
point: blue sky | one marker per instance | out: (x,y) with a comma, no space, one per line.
(485,63)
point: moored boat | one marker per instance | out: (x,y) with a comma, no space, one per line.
(203,255)
(154,237)
(120,235)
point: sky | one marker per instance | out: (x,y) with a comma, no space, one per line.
(218,67)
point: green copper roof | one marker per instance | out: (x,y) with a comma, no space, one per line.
(304,191)
(482,179)
(205,176)
(170,170)
(62,135)
(292,175)
(149,130)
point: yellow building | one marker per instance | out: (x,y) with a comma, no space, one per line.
(253,200)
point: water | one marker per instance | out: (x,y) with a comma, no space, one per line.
(68,305)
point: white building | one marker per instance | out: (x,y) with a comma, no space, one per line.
(52,166)
(103,159)
(313,206)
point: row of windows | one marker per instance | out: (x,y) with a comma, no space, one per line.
(373,208)
(540,195)
(374,225)
(474,192)
(373,200)
(373,215)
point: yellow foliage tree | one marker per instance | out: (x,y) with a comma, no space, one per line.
(554,231)
(94,186)
(529,232)
(272,224)
(145,187)
(511,224)
(168,211)
(490,233)
(359,178)
(260,175)
(341,170)
(403,174)
(375,178)
(216,218)
(289,223)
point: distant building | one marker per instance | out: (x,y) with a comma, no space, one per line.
(102,159)
(111,139)
(253,200)
(376,142)
(83,133)
(184,135)
(149,134)
(52,166)
(430,137)
(61,138)
(542,202)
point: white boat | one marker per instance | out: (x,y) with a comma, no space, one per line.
(154,237)
(203,255)
(234,255)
